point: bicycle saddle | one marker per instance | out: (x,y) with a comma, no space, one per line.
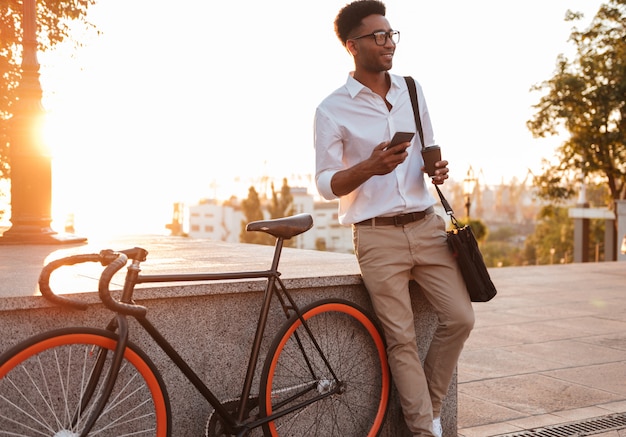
(285,227)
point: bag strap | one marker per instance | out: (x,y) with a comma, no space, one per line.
(410,82)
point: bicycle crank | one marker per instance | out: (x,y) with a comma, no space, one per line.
(215,427)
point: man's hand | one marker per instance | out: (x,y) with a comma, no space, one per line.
(441,172)
(383,160)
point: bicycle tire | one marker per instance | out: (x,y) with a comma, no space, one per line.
(354,346)
(43,379)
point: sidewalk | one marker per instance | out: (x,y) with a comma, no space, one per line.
(550,349)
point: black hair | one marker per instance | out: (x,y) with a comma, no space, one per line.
(352,14)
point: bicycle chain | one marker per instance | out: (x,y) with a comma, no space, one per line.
(215,426)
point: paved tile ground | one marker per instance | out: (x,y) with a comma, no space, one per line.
(549,349)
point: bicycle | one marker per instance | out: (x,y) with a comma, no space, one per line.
(325,373)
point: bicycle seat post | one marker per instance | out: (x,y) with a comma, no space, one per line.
(278,248)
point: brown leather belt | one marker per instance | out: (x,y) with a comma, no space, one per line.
(397,220)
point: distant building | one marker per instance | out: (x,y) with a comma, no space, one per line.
(303,202)
(500,205)
(215,221)
(330,235)
(211,219)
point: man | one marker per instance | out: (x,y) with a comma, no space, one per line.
(383,195)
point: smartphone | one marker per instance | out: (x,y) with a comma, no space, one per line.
(399,138)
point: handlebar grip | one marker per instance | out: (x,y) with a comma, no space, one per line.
(105,293)
(44,279)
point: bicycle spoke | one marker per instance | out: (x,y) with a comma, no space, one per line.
(354,405)
(36,414)
(52,389)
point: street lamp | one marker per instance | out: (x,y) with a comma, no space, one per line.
(469,183)
(31,167)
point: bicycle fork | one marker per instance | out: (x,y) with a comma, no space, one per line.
(119,324)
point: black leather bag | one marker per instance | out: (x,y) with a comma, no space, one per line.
(461,239)
(464,247)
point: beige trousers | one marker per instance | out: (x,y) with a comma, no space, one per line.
(389,257)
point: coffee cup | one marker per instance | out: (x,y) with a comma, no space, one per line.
(431,155)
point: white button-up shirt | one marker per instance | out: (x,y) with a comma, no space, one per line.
(348,125)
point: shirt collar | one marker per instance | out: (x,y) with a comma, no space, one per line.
(354,87)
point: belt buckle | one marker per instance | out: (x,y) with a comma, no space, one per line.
(397,223)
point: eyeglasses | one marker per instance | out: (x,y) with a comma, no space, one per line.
(380,38)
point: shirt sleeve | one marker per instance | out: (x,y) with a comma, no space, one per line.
(328,153)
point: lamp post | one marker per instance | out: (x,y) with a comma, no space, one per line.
(469,183)
(31,168)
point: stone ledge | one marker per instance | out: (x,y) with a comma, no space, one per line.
(217,318)
(20,265)
(147,292)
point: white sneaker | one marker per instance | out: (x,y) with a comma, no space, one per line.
(437,429)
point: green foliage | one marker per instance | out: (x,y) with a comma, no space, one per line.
(587,97)
(500,247)
(501,254)
(478,228)
(281,205)
(53,22)
(252,212)
(503,233)
(553,238)
(597,194)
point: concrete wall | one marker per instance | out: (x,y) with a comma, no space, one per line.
(212,326)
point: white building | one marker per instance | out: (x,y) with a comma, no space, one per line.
(329,234)
(216,221)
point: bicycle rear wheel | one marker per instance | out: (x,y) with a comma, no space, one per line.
(44,380)
(294,372)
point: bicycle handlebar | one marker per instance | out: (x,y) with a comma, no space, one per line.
(44,279)
(114,262)
(130,309)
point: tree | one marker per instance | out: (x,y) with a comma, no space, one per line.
(54,18)
(252,211)
(553,237)
(587,96)
(281,206)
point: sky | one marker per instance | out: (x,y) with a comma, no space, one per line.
(182,101)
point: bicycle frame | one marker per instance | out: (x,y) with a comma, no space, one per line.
(273,286)
(234,422)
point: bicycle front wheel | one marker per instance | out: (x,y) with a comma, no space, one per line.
(49,385)
(295,374)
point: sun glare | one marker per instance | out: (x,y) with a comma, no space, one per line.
(88,194)
(139,119)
